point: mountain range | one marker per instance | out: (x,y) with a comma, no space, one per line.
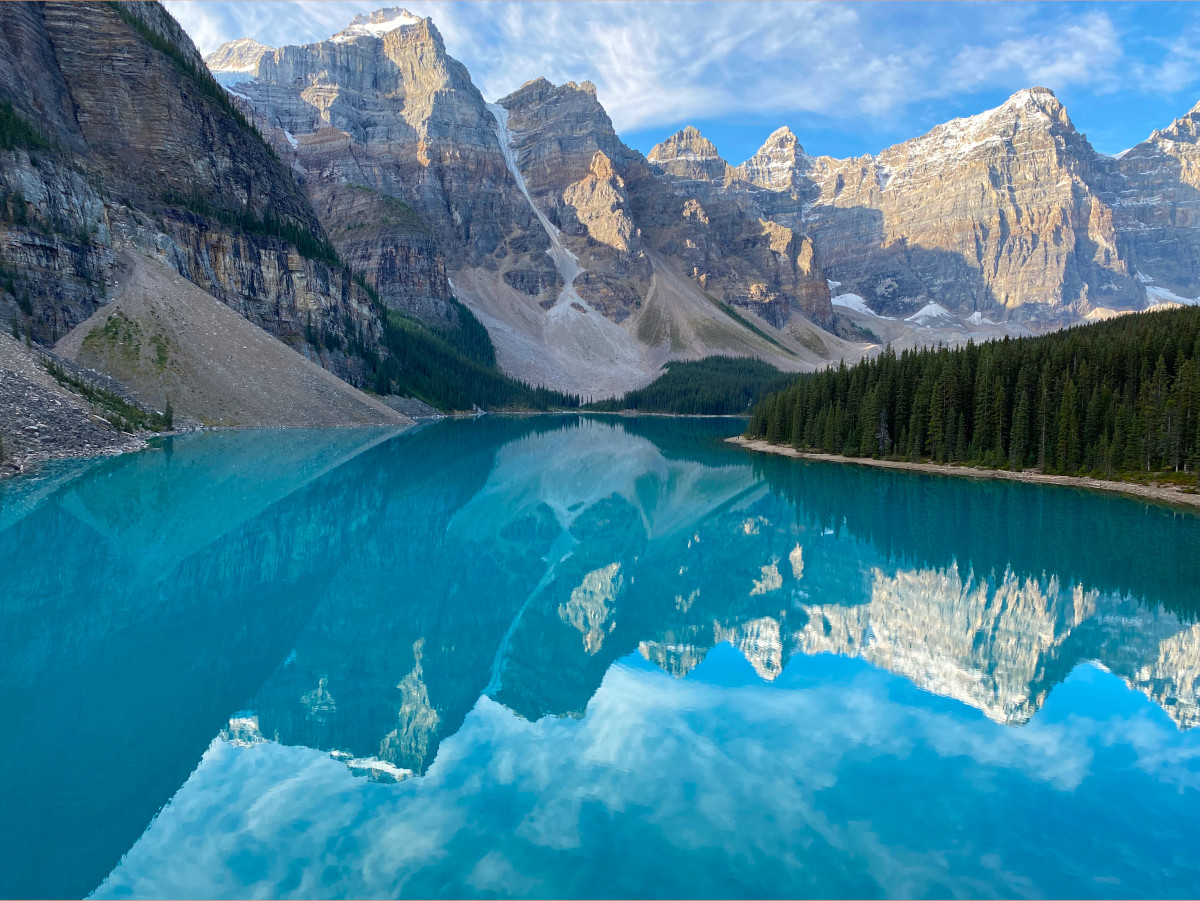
(323,190)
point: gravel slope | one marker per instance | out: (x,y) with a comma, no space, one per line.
(42,420)
(166,339)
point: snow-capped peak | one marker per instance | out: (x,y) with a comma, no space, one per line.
(957,138)
(375,25)
(782,135)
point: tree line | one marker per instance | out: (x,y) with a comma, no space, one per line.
(713,386)
(1113,399)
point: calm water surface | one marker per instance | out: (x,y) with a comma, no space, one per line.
(560,657)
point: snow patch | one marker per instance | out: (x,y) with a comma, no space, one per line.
(977,318)
(1163,295)
(377,770)
(376,25)
(931,315)
(856,303)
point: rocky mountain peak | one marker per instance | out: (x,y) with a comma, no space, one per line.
(780,164)
(241,55)
(1037,102)
(688,154)
(376,24)
(545,101)
(556,130)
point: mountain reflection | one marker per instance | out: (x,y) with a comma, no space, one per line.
(357,592)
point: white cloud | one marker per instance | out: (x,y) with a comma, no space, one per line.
(1176,68)
(1087,52)
(850,785)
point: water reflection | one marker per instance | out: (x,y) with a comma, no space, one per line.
(556,640)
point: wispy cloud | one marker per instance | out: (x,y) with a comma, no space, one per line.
(1086,52)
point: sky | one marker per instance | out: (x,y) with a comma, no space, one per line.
(847,78)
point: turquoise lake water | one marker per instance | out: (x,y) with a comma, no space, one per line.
(569,657)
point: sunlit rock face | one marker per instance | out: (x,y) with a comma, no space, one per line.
(1003,212)
(580,174)
(724,243)
(383,108)
(239,57)
(689,156)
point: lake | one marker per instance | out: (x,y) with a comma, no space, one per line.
(587,657)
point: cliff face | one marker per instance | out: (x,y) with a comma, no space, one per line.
(383,106)
(689,156)
(622,205)
(999,213)
(133,145)
(1009,214)
(725,240)
(580,175)
(1156,206)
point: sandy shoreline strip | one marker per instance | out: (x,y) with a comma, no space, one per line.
(1163,494)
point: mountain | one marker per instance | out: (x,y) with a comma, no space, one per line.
(1005,214)
(1156,204)
(591,265)
(115,140)
(588,268)
(359,199)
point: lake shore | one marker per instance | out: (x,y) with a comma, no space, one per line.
(1163,494)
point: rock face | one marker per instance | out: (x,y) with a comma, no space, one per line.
(1009,216)
(382,106)
(134,146)
(240,56)
(580,174)
(726,243)
(1000,213)
(590,264)
(689,156)
(1156,206)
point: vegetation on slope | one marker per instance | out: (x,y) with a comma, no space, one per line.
(1114,399)
(17,131)
(447,370)
(714,386)
(121,413)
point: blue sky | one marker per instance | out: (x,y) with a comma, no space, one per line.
(848,78)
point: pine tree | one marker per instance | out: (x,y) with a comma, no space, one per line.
(1113,397)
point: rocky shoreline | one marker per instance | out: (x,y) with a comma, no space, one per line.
(1163,494)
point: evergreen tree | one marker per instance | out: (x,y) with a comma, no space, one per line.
(1112,398)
